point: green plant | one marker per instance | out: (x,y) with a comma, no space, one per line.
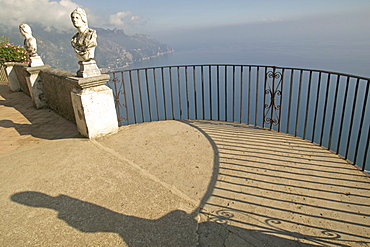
(12,53)
(4,40)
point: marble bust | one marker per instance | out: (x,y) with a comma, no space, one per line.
(30,45)
(84,41)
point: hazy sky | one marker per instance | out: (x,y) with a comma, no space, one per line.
(151,16)
(326,34)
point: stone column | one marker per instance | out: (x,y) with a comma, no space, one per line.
(93,106)
(12,77)
(35,85)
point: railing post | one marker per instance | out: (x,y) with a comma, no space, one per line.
(34,84)
(93,105)
(12,77)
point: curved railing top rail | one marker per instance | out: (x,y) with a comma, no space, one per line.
(325,107)
(243,65)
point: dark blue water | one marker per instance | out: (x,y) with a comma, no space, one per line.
(316,43)
(284,55)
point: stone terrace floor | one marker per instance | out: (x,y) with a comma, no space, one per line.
(171,183)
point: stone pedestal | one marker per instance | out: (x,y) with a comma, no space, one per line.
(88,69)
(36,61)
(12,77)
(93,106)
(35,86)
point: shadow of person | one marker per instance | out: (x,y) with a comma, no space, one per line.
(22,129)
(176,228)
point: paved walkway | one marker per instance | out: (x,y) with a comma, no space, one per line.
(171,183)
(21,124)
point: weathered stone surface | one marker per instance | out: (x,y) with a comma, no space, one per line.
(145,186)
(21,77)
(36,61)
(95,112)
(88,69)
(12,77)
(58,92)
(88,82)
(35,86)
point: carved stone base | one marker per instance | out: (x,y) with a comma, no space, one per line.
(35,61)
(35,87)
(88,69)
(95,111)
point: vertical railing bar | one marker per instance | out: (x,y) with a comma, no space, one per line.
(281,98)
(210,90)
(333,114)
(148,94)
(290,98)
(116,98)
(325,107)
(187,91)
(257,82)
(233,98)
(264,101)
(274,95)
(249,93)
(125,96)
(307,105)
(203,89)
(164,94)
(343,114)
(361,122)
(318,93)
(366,149)
(132,96)
(156,93)
(179,89)
(352,116)
(172,93)
(140,95)
(195,93)
(226,92)
(241,93)
(298,103)
(218,91)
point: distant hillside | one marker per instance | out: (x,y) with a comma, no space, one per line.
(115,49)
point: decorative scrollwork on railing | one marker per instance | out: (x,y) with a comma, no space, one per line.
(331,234)
(117,93)
(222,216)
(272,108)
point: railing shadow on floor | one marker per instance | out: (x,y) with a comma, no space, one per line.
(273,184)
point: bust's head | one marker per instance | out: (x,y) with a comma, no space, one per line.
(79,18)
(25,30)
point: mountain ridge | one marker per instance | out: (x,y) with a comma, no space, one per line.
(115,49)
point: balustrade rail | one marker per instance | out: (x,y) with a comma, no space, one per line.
(327,108)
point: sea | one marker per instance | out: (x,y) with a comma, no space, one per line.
(330,46)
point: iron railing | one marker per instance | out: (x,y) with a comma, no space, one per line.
(327,108)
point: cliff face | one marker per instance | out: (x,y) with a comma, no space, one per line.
(115,49)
